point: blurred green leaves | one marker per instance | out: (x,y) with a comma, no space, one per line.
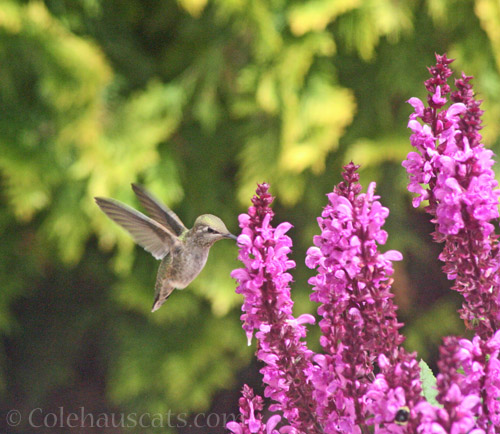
(50,86)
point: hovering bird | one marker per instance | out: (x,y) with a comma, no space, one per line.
(183,252)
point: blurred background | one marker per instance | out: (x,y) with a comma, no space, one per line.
(198,100)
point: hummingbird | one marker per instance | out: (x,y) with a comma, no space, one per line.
(183,252)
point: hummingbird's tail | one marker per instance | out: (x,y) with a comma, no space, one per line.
(157,303)
(163,287)
(161,297)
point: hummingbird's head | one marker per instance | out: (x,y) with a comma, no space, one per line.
(208,229)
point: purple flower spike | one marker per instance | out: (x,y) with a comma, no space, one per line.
(267,307)
(452,170)
(468,386)
(359,325)
(251,407)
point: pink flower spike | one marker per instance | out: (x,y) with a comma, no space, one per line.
(359,323)
(457,180)
(267,307)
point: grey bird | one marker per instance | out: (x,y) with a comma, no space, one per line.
(183,252)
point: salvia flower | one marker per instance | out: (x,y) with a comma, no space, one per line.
(359,324)
(395,393)
(251,406)
(452,170)
(468,388)
(264,283)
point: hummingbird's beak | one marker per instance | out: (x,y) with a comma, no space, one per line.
(231,236)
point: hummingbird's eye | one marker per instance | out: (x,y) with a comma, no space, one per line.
(211,231)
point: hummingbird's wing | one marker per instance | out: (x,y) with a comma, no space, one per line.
(146,232)
(159,212)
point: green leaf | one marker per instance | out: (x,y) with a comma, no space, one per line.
(428,383)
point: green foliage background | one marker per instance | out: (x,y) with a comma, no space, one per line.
(199,100)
